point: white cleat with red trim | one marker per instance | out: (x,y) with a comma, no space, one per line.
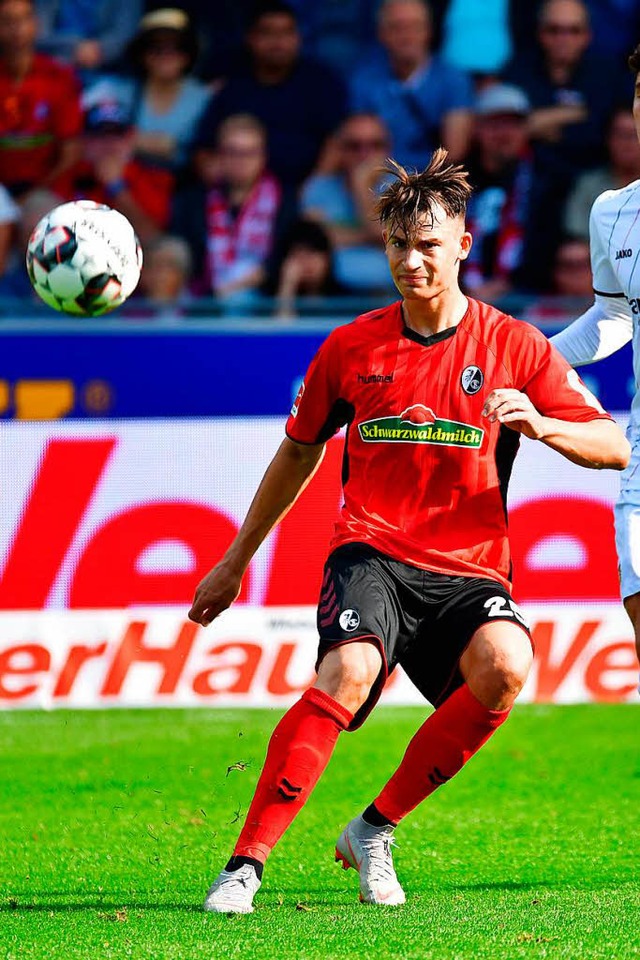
(368,850)
(233,891)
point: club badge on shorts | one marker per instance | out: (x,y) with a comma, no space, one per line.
(472,379)
(349,620)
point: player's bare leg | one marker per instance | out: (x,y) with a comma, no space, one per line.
(632,606)
(495,666)
(298,752)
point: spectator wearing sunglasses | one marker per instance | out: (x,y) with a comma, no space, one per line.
(166,102)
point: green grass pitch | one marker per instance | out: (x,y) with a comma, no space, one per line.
(113,824)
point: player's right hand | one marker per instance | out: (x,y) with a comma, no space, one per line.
(215,593)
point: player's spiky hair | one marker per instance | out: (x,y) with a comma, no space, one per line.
(634,61)
(403,203)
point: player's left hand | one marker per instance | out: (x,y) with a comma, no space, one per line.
(516,411)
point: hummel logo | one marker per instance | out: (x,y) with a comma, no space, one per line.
(623,254)
(375,378)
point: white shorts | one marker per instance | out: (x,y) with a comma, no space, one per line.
(627,523)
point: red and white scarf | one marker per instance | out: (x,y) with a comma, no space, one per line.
(237,245)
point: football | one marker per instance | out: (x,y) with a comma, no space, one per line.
(83,258)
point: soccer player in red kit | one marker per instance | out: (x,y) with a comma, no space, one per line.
(435,391)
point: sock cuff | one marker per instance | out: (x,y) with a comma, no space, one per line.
(478,711)
(325,701)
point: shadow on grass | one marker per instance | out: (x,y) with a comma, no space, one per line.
(14,906)
(314,898)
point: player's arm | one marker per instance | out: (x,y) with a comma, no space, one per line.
(600,331)
(597,444)
(608,324)
(291,469)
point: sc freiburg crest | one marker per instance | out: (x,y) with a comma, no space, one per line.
(472,379)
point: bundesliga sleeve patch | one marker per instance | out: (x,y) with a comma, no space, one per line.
(296,402)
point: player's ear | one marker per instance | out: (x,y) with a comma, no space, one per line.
(466,241)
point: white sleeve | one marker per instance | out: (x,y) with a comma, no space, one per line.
(600,331)
(608,324)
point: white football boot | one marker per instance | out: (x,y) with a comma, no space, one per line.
(368,850)
(233,891)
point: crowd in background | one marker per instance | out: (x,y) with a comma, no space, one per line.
(246,141)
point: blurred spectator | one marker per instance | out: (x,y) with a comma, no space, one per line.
(500,167)
(89,34)
(570,289)
(108,171)
(572,93)
(343,201)
(240,209)
(564,82)
(166,271)
(9,215)
(299,102)
(306,269)
(15,280)
(423,100)
(622,168)
(166,103)
(40,116)
(476,36)
(572,269)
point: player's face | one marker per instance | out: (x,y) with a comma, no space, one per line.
(426,265)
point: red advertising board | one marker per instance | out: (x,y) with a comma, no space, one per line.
(100,520)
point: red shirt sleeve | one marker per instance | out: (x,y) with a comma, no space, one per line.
(540,371)
(319,411)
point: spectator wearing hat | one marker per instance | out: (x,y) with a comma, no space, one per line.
(166,102)
(110,173)
(423,101)
(40,115)
(343,198)
(298,101)
(87,34)
(501,170)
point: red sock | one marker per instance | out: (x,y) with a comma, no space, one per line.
(298,752)
(440,748)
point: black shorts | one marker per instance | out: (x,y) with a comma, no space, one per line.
(419,619)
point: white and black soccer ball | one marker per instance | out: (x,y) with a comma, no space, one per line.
(84,258)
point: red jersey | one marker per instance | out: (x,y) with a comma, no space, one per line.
(35,115)
(425,475)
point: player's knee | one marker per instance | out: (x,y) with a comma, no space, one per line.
(349,672)
(510,671)
(499,677)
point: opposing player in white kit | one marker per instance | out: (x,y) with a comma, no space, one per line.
(607,326)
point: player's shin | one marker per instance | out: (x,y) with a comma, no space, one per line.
(299,750)
(440,748)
